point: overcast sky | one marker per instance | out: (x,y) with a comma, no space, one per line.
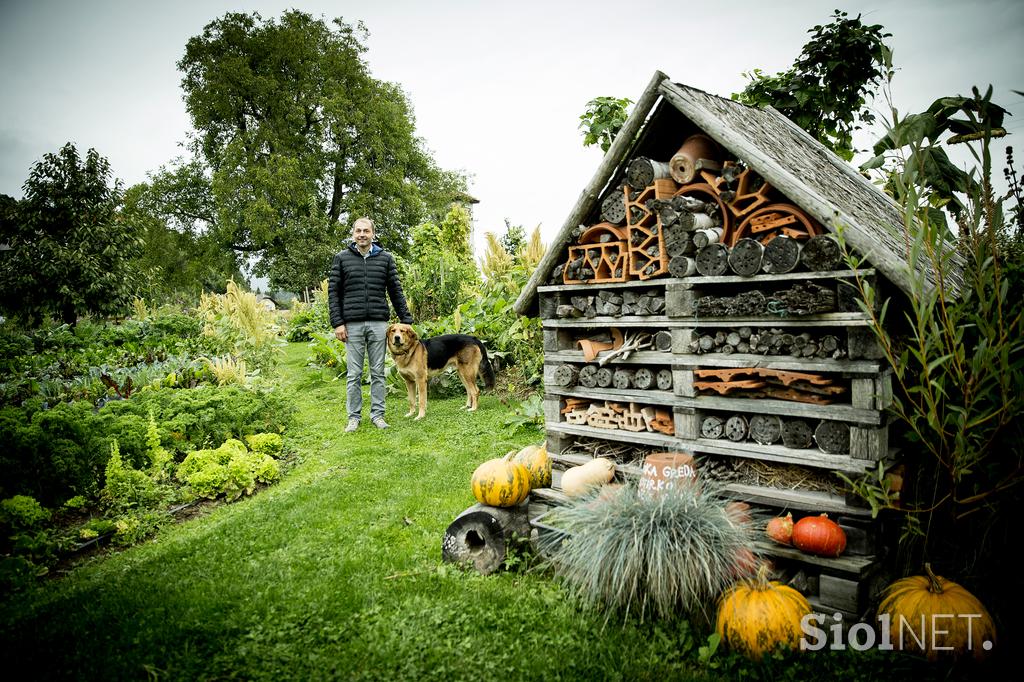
(497,87)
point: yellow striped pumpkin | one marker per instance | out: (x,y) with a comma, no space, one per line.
(535,459)
(500,482)
(939,613)
(755,616)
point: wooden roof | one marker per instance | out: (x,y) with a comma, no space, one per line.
(810,175)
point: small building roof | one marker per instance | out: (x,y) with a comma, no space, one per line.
(807,173)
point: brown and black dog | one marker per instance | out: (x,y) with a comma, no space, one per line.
(417,360)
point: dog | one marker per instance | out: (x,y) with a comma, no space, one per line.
(417,360)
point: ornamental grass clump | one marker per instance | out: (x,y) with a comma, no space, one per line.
(659,556)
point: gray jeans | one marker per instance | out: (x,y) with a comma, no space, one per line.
(363,337)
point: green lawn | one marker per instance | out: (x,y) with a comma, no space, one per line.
(335,573)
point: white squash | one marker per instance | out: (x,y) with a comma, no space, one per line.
(578,480)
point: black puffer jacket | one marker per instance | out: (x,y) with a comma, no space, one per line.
(357,286)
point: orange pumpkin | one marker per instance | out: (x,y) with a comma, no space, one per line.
(819,535)
(939,613)
(756,616)
(535,459)
(780,529)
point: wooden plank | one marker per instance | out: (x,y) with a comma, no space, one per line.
(679,299)
(804,500)
(682,383)
(783,277)
(617,153)
(783,362)
(641,357)
(632,284)
(785,408)
(681,339)
(642,438)
(869,443)
(809,457)
(844,565)
(659,321)
(665,322)
(839,593)
(552,407)
(687,424)
(630,395)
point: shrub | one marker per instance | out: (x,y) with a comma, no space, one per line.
(126,488)
(662,555)
(265,443)
(229,470)
(22,512)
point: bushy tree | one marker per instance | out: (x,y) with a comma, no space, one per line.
(177,263)
(602,120)
(440,272)
(300,140)
(70,251)
(825,91)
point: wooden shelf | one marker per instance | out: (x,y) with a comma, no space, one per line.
(851,564)
(699,279)
(782,277)
(785,408)
(808,457)
(550,288)
(575,460)
(640,357)
(648,397)
(805,500)
(819,320)
(658,440)
(783,362)
(659,321)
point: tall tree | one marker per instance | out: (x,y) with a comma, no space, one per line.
(301,140)
(825,91)
(71,252)
(177,263)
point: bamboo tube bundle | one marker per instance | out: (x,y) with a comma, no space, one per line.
(741,305)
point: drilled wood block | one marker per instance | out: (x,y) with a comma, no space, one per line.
(870,443)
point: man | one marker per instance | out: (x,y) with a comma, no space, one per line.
(360,277)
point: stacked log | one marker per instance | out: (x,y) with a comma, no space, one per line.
(768,341)
(622,378)
(642,172)
(613,303)
(830,437)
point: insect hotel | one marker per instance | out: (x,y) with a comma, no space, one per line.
(697,306)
